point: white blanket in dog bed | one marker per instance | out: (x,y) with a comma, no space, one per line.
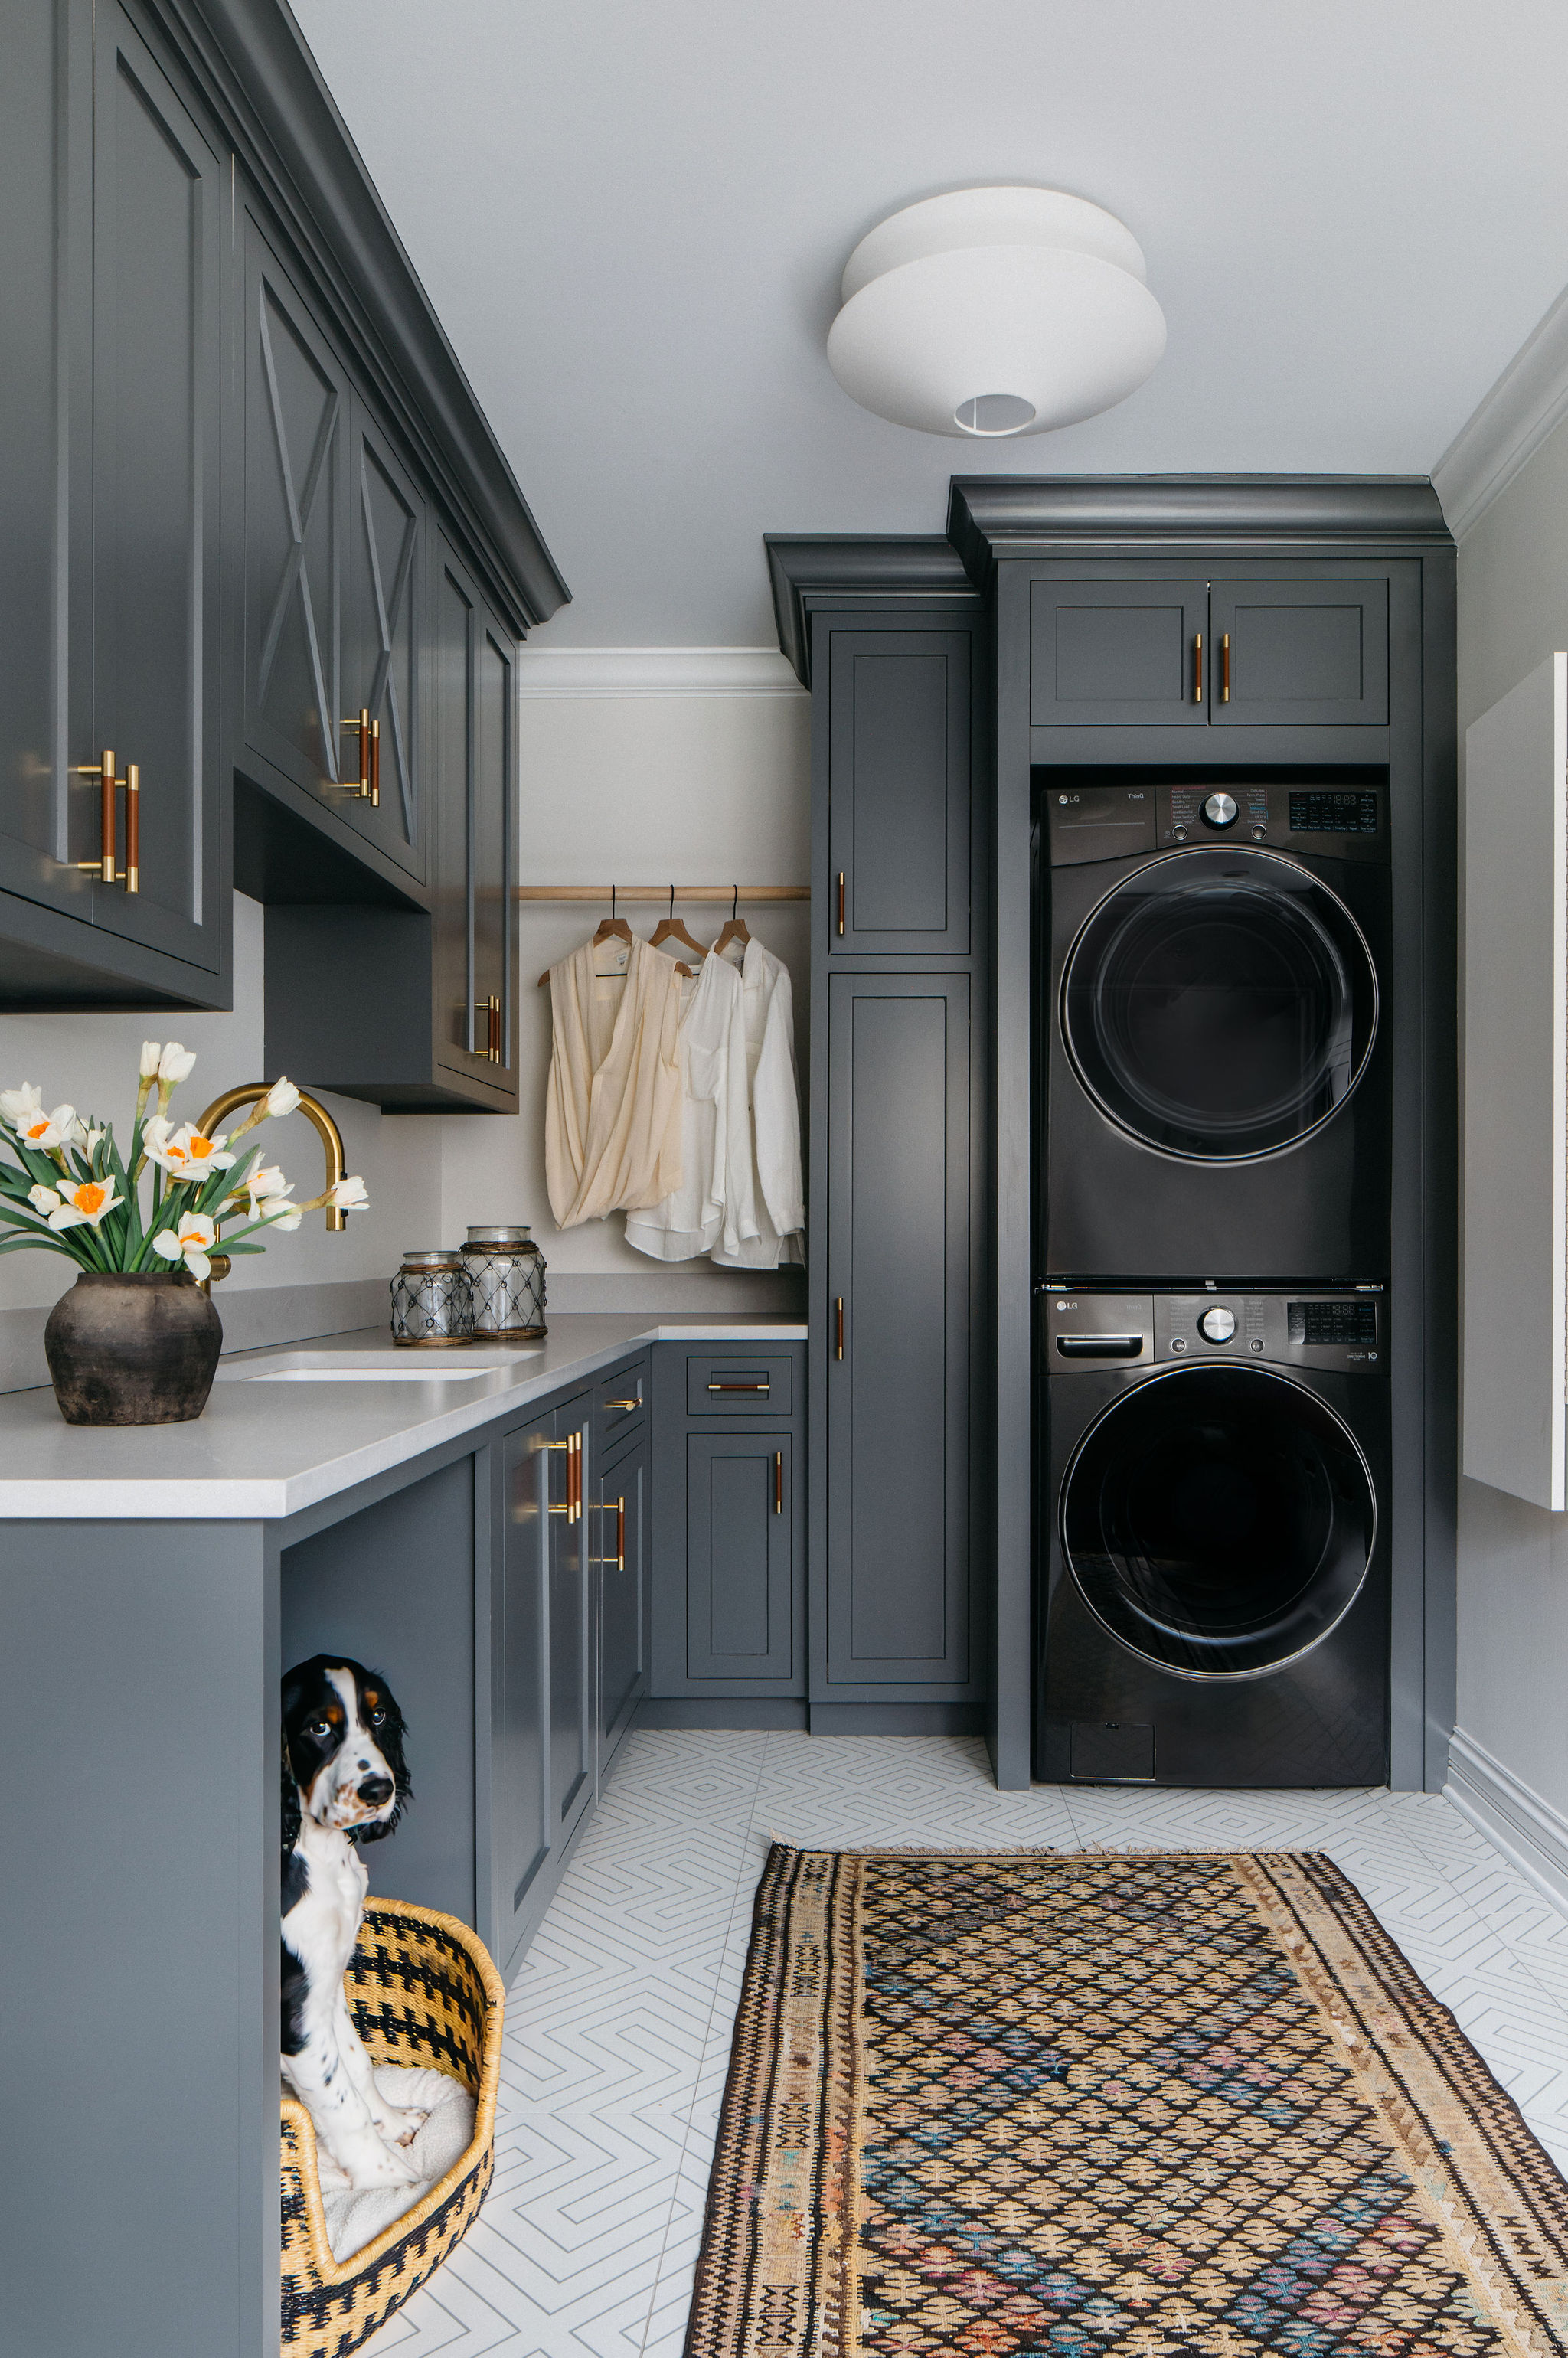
(356,2220)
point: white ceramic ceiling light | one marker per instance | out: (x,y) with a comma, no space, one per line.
(990,312)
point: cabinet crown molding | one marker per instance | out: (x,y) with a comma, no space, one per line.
(991,516)
(811,570)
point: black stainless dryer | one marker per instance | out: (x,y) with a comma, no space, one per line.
(1216,1068)
(1214,1602)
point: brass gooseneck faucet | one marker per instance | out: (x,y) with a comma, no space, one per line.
(321,1120)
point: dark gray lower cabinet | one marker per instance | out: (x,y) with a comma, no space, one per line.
(729,1595)
(892,1603)
(567,1642)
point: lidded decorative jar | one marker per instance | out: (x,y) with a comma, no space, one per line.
(432,1301)
(506,1272)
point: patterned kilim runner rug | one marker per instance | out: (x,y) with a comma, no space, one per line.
(1030,2105)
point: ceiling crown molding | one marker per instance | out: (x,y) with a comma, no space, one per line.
(1507,426)
(846,569)
(654,671)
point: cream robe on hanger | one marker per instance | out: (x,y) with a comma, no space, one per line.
(613,1113)
(714,1198)
(774,1126)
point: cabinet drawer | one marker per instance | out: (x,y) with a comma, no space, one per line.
(731,1387)
(618,1400)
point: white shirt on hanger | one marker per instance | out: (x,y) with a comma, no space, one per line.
(774,1129)
(714,1203)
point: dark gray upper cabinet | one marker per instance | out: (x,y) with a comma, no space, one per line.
(1300,652)
(899,1288)
(475,906)
(1105,652)
(1308,650)
(739,1588)
(111,391)
(899,731)
(384,644)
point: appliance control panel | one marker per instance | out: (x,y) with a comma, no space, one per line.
(1301,1327)
(1085,822)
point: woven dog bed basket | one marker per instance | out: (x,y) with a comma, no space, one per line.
(422,1990)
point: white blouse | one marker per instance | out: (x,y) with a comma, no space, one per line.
(713,1203)
(774,1127)
(613,1113)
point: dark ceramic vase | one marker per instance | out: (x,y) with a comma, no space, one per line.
(139,1350)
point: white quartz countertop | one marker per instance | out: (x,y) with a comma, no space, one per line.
(269,1444)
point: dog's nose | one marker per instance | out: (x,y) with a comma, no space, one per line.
(376,1790)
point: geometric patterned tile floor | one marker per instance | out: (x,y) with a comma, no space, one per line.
(619,2023)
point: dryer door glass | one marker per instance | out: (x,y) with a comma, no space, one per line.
(1218,1520)
(1220,1005)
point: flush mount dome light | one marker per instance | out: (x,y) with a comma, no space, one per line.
(991,312)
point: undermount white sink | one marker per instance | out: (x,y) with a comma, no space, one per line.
(452,1366)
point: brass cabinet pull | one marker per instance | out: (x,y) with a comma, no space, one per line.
(375,765)
(491,1048)
(778,1481)
(362,721)
(618,1508)
(739,1388)
(839,1306)
(841,900)
(1225,668)
(104,866)
(572,1444)
(1197,667)
(607,1405)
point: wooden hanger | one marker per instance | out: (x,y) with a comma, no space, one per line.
(735,928)
(673,929)
(614,928)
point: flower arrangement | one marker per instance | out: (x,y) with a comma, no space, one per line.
(70,1190)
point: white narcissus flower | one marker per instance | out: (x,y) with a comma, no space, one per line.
(282,1216)
(88,1138)
(174,1063)
(16,1105)
(190,1239)
(281,1099)
(348,1195)
(152,1050)
(84,1201)
(47,1134)
(266,1186)
(184,1153)
(44,1199)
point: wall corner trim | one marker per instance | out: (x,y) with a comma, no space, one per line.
(655,670)
(1508,424)
(1530,1834)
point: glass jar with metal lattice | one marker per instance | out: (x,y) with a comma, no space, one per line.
(506,1271)
(432,1301)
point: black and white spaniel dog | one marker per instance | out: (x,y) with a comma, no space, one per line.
(344,1782)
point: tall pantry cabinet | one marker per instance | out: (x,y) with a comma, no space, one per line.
(895,648)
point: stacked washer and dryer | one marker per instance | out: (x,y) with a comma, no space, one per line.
(1212,1329)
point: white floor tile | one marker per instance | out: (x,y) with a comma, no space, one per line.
(618,2025)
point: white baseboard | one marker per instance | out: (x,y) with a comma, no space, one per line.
(1530,1834)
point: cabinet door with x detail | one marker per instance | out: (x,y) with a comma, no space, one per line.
(383,646)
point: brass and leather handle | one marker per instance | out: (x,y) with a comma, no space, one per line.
(839,1307)
(572,1444)
(841,900)
(362,721)
(778,1481)
(740,1388)
(491,1048)
(1197,667)
(104,867)
(1225,668)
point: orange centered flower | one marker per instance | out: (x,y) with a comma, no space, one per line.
(198,1147)
(90,1198)
(37,1129)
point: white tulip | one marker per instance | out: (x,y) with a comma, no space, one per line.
(348,1195)
(282,1097)
(175,1064)
(152,1050)
(16,1105)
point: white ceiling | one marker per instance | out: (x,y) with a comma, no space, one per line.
(631,216)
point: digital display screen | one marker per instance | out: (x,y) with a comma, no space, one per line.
(1332,1321)
(1332,810)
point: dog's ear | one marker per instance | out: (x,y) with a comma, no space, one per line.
(389,1740)
(290,1804)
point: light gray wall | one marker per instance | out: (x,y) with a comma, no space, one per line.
(1513,1558)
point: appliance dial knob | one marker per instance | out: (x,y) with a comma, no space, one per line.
(1178,835)
(1219,810)
(1259,833)
(1218,1324)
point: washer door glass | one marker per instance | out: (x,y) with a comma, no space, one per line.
(1218,1520)
(1220,1005)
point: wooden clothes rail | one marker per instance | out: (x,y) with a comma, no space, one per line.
(594,893)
